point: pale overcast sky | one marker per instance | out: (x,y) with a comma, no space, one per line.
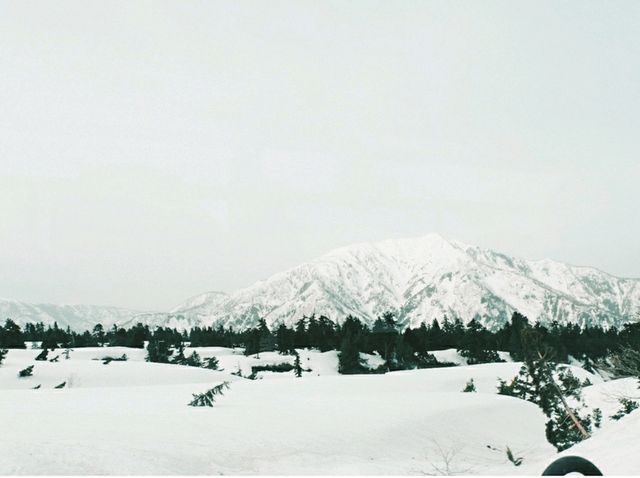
(153,150)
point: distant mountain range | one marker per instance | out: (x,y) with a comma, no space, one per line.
(78,317)
(418,279)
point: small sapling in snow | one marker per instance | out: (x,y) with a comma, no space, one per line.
(26,372)
(469,387)
(208,398)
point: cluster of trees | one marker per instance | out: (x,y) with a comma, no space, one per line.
(544,381)
(401,347)
(52,337)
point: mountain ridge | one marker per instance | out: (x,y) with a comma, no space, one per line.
(406,275)
(418,279)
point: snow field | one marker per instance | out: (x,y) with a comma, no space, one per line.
(132,418)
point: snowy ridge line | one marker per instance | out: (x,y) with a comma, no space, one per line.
(419,280)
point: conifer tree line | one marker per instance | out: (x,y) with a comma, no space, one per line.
(400,347)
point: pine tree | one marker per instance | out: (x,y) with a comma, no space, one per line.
(284,339)
(211,363)
(3,354)
(208,398)
(158,351)
(536,383)
(474,346)
(11,335)
(98,334)
(627,407)
(26,372)
(193,360)
(180,359)
(384,334)
(469,387)
(597,417)
(509,389)
(137,336)
(349,360)
(296,365)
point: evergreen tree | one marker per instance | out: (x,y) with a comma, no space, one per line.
(469,387)
(211,363)
(179,359)
(11,336)
(284,339)
(475,345)
(436,336)
(627,407)
(3,354)
(384,337)
(537,383)
(208,398)
(98,334)
(26,372)
(137,335)
(193,360)
(259,339)
(49,340)
(301,340)
(296,365)
(158,351)
(597,417)
(519,323)
(327,334)
(349,361)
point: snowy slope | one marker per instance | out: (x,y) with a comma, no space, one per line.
(78,317)
(614,450)
(420,280)
(131,418)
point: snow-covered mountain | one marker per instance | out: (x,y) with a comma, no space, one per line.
(78,317)
(420,280)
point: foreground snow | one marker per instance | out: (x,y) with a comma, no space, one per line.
(132,418)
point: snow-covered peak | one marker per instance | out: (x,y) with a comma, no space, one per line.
(419,279)
(422,279)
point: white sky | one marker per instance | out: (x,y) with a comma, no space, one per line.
(153,150)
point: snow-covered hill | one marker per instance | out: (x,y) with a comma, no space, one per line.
(78,317)
(420,280)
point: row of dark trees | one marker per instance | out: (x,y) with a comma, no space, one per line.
(400,347)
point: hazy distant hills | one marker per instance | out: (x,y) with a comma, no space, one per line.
(78,317)
(419,279)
